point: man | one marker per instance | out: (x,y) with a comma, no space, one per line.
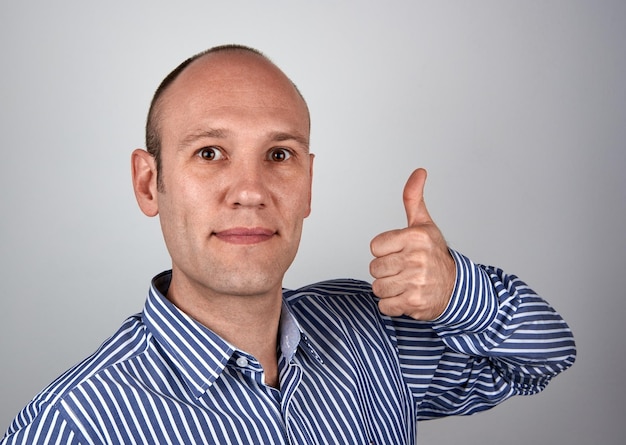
(221,354)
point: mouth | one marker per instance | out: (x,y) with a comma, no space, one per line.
(245,235)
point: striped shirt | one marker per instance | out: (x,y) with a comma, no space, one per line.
(347,373)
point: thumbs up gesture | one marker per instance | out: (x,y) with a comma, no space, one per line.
(413,270)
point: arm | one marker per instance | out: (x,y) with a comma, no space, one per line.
(489,336)
(499,339)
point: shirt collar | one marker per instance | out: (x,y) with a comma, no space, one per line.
(290,332)
(292,335)
(198,353)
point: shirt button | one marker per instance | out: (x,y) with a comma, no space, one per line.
(242,362)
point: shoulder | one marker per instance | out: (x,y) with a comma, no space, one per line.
(127,343)
(130,340)
(336,293)
(346,303)
(340,287)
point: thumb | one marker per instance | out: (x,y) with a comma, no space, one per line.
(413,197)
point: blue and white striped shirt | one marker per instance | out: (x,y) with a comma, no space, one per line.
(347,373)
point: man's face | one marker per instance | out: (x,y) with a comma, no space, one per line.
(236,174)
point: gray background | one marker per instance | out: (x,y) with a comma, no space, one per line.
(517,109)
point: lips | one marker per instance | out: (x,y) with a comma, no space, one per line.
(245,235)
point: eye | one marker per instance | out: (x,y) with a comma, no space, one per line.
(279,154)
(210,153)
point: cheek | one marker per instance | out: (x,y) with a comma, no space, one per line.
(306,200)
(307,209)
(301,181)
(177,210)
(170,219)
(298,198)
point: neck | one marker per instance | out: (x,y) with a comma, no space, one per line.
(250,322)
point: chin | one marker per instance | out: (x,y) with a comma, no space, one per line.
(248,284)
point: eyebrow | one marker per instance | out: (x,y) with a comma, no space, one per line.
(219,133)
(216,133)
(280,136)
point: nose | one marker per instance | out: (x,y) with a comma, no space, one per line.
(248,187)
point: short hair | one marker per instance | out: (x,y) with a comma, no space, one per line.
(153,136)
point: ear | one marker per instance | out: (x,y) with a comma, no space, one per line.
(311,157)
(144,175)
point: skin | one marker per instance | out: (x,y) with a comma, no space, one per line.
(237,174)
(413,269)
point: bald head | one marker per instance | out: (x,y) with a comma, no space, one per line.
(233,68)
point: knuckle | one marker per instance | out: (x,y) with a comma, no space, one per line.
(389,308)
(374,246)
(418,235)
(384,288)
(377,288)
(375,268)
(415,301)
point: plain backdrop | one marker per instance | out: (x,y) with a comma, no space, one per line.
(516,108)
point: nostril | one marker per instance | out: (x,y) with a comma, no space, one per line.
(247,197)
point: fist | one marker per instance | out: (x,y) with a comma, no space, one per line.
(413,270)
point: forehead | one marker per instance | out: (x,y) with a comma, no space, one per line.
(231,80)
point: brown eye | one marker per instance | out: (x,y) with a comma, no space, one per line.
(279,154)
(210,153)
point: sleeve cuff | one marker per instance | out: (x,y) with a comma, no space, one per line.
(473,305)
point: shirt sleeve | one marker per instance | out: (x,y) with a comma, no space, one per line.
(496,338)
(40,423)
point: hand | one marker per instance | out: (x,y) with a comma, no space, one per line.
(413,269)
